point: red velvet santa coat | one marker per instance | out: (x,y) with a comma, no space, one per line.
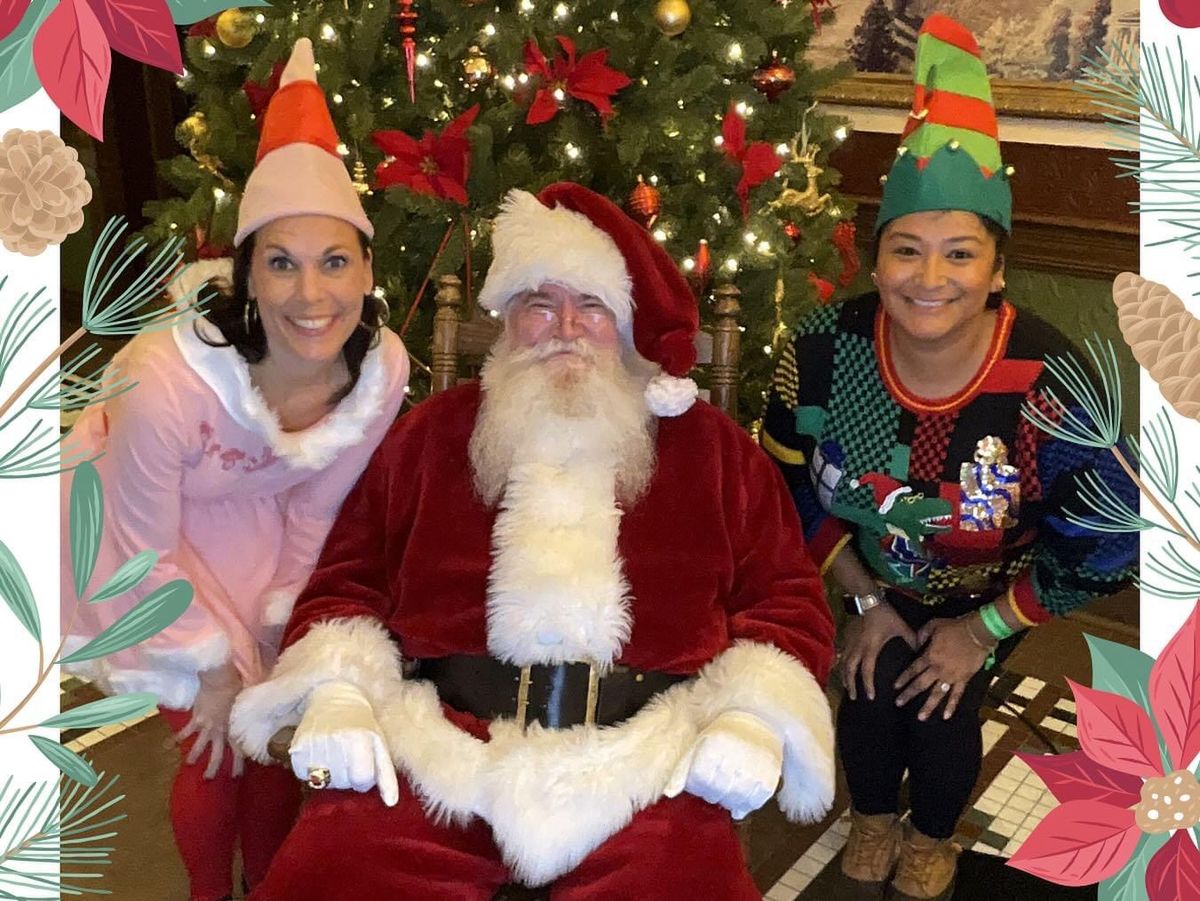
(706,574)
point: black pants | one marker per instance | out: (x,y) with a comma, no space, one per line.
(879,741)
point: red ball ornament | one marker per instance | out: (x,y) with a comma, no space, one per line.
(1184,13)
(793,231)
(644,204)
(772,79)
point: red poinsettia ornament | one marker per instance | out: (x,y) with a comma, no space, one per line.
(260,93)
(589,79)
(758,161)
(437,164)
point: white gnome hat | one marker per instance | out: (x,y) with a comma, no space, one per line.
(298,170)
(575,237)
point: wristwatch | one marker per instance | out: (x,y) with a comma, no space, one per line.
(858,604)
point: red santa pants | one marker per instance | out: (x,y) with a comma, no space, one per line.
(350,846)
(210,815)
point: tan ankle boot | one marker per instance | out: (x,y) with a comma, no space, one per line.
(927,868)
(872,848)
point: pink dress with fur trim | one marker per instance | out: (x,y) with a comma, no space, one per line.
(197,468)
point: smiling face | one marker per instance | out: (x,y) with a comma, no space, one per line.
(934,272)
(555,312)
(309,275)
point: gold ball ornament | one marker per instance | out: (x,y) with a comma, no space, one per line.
(478,70)
(236,28)
(672,16)
(192,130)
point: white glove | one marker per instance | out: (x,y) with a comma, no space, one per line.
(736,762)
(340,733)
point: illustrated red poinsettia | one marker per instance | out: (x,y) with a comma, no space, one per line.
(436,164)
(260,93)
(589,79)
(1117,788)
(72,51)
(758,161)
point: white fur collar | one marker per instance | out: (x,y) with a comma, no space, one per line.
(228,375)
(557,589)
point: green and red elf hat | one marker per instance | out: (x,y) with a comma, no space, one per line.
(949,153)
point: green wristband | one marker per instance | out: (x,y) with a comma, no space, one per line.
(994,622)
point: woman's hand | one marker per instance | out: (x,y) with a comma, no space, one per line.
(865,637)
(210,719)
(951,657)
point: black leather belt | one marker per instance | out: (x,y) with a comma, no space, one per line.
(556,695)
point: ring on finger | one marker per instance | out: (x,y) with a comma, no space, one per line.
(944,687)
(318,777)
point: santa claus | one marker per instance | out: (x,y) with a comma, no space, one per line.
(569,604)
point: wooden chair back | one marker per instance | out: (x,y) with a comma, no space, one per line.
(459,339)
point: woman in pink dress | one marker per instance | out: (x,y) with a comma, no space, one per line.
(230,458)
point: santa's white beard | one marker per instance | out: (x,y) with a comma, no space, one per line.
(541,406)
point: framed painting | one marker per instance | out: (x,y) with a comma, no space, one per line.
(1034,50)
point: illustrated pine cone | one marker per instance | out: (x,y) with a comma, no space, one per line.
(1164,338)
(43,190)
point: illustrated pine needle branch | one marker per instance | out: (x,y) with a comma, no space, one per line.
(110,311)
(1098,425)
(69,389)
(51,836)
(25,317)
(1151,106)
(40,452)
(1171,565)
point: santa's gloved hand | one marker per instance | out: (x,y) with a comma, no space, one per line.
(339,733)
(736,762)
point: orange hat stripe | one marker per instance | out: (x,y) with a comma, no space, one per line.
(298,114)
(951,32)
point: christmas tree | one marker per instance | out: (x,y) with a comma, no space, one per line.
(874,47)
(696,115)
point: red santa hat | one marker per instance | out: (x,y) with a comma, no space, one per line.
(298,170)
(577,238)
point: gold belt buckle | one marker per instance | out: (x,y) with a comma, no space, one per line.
(526,678)
(523,695)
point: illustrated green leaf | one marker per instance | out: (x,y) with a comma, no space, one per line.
(87,523)
(18,77)
(15,590)
(1129,882)
(185,12)
(129,575)
(157,610)
(105,711)
(1121,670)
(72,765)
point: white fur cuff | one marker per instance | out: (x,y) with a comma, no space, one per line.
(667,395)
(763,680)
(358,651)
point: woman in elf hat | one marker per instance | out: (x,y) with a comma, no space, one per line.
(230,459)
(896,419)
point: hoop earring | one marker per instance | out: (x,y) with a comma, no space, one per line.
(249,312)
(383,312)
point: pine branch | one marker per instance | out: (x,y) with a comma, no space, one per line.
(1150,105)
(48,830)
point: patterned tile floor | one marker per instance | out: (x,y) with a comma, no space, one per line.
(1009,800)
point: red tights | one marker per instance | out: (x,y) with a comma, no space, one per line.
(210,815)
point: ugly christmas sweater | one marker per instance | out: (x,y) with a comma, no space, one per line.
(941,498)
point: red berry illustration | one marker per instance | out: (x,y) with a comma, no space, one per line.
(1184,13)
